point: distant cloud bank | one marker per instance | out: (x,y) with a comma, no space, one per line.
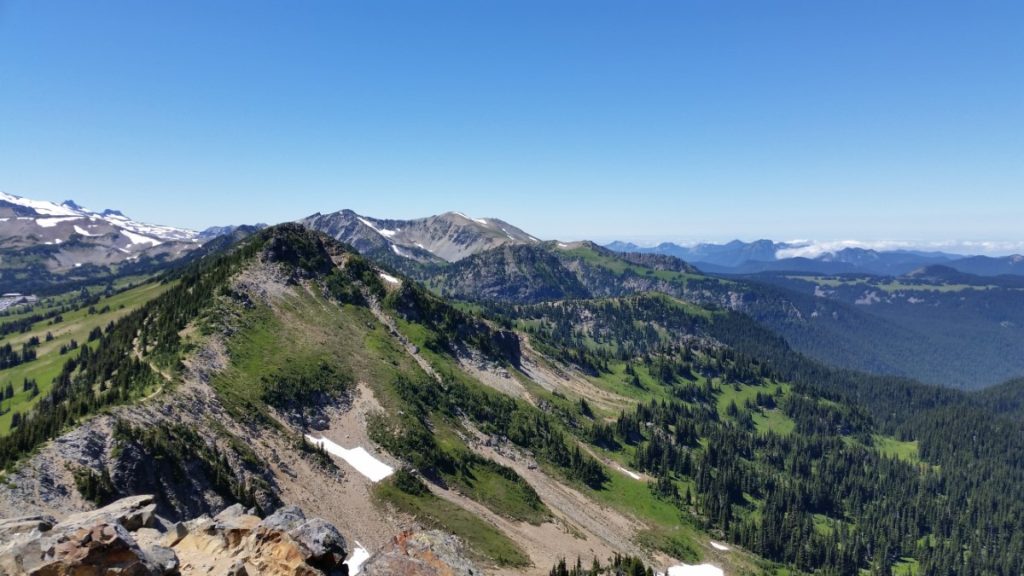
(813,249)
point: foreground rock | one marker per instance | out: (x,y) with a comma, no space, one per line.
(126,538)
(429,553)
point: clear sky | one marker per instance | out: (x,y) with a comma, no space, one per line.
(704,119)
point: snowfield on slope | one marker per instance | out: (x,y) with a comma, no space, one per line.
(629,473)
(358,458)
(697,570)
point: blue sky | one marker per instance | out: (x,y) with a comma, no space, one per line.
(705,119)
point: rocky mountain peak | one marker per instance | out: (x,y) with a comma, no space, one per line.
(447,237)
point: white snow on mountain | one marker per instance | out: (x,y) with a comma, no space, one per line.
(51,214)
(382,231)
(140,239)
(51,222)
(41,207)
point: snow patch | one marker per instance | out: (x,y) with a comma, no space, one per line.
(698,570)
(359,556)
(382,231)
(83,231)
(629,473)
(718,546)
(51,222)
(140,239)
(358,458)
(389,278)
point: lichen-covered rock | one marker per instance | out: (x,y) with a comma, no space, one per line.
(106,548)
(428,553)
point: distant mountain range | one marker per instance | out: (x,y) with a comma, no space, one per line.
(43,243)
(738,257)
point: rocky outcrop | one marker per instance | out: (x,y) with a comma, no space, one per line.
(96,542)
(426,553)
(127,538)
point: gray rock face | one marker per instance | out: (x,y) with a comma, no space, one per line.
(284,519)
(230,512)
(174,534)
(163,559)
(132,513)
(24,525)
(326,546)
(446,237)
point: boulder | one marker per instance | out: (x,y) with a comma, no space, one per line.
(174,534)
(284,519)
(133,512)
(163,559)
(230,512)
(105,548)
(326,546)
(21,554)
(426,553)
(24,525)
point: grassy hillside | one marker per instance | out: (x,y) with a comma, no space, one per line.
(78,316)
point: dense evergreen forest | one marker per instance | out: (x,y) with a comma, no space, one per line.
(821,496)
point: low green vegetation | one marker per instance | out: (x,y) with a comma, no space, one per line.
(407,494)
(75,320)
(893,448)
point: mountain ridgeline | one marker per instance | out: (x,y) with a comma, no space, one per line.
(540,400)
(946,328)
(738,257)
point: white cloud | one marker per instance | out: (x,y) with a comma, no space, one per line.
(813,249)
